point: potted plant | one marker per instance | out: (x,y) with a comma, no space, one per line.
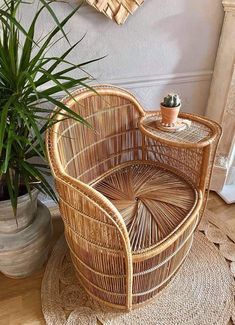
(29,78)
(170,108)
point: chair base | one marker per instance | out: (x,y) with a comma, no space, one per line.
(142,298)
(158,207)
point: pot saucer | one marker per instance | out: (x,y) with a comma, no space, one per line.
(180,125)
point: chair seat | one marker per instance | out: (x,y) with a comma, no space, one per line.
(152,200)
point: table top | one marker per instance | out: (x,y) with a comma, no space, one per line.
(200,132)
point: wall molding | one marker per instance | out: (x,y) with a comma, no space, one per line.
(157,80)
(153,80)
(229,5)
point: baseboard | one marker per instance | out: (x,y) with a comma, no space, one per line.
(231,176)
(49,203)
(228,194)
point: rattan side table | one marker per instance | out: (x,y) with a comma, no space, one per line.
(191,150)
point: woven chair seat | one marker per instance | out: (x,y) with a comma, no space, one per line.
(152,200)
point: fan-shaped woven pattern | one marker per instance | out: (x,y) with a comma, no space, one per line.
(153,201)
(118,10)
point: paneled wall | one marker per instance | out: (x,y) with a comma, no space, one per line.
(166,46)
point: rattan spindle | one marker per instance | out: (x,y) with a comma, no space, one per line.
(130,195)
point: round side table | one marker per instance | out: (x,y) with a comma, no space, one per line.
(192,150)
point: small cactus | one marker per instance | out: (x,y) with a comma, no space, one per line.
(171,100)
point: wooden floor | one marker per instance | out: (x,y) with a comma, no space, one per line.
(20,299)
(20,302)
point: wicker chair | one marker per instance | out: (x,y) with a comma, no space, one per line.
(130,203)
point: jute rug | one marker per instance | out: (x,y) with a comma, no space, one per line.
(202,293)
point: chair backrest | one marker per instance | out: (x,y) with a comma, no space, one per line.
(94,229)
(113,113)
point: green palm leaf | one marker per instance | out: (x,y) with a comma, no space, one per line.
(24,70)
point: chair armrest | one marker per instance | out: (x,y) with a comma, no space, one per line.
(91,217)
(191,151)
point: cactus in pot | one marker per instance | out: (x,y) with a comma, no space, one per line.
(170,108)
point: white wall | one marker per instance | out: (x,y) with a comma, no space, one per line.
(166,46)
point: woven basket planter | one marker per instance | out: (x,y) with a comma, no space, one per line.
(130,204)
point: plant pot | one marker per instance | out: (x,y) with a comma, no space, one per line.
(26,211)
(24,249)
(169,115)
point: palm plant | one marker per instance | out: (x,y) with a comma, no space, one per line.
(24,69)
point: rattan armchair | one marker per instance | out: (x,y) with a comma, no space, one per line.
(130,202)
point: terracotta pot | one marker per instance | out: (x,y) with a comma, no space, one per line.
(169,115)
(26,210)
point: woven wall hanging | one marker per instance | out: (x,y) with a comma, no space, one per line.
(117,10)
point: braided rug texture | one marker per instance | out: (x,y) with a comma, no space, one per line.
(202,292)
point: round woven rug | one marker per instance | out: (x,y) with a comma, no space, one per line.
(201,293)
